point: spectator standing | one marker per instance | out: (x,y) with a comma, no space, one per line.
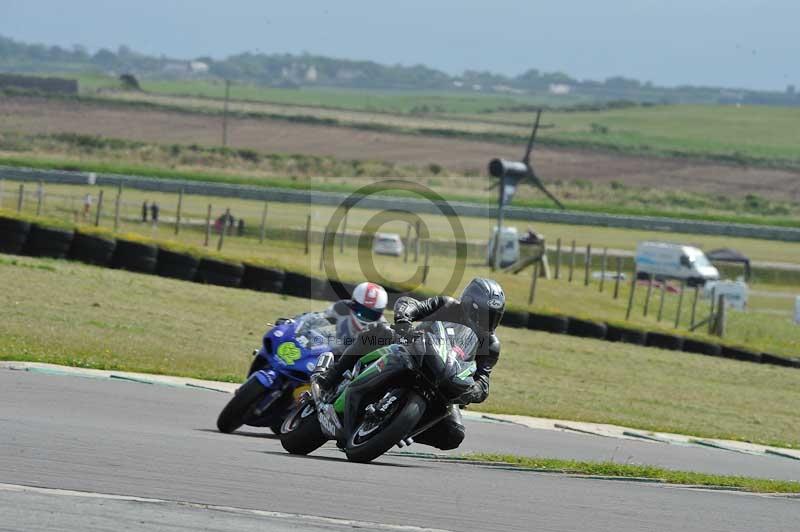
(144,211)
(154,208)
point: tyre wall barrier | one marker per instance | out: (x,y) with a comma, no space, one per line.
(92,249)
(135,256)
(586,328)
(147,258)
(690,345)
(548,323)
(737,353)
(664,341)
(48,241)
(515,318)
(262,278)
(13,235)
(615,333)
(176,265)
(220,273)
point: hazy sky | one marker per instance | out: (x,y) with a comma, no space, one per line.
(743,43)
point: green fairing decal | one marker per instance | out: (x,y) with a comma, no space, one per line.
(373,356)
(467,372)
(289,353)
(338,405)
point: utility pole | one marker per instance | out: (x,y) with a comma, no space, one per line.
(225,114)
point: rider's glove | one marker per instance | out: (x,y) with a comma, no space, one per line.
(402,328)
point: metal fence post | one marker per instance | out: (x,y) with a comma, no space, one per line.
(603,264)
(39,198)
(617,280)
(2,191)
(532,294)
(694,307)
(661,303)
(571,261)
(630,296)
(558,258)
(117,207)
(344,230)
(416,245)
(21,198)
(208,226)
(262,233)
(99,209)
(426,268)
(178,212)
(308,234)
(587,264)
(222,229)
(680,305)
(650,280)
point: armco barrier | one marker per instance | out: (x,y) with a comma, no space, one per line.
(145,258)
(650,223)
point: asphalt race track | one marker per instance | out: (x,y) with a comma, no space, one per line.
(88,454)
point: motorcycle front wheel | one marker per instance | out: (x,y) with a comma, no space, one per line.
(236,412)
(370,439)
(301,433)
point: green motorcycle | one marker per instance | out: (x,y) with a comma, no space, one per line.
(391,395)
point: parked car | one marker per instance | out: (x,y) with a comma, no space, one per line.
(667,260)
(388,244)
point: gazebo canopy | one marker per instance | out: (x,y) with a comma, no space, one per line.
(730,255)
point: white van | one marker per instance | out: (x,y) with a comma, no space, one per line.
(666,260)
(509,247)
(388,244)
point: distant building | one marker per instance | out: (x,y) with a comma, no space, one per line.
(559,89)
(198,67)
(311,74)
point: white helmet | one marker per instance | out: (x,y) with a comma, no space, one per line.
(368,302)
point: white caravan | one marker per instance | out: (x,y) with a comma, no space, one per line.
(509,247)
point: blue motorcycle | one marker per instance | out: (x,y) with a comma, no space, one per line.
(279,373)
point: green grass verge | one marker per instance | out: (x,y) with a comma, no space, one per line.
(633,471)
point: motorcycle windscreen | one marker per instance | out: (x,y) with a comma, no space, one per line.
(450,356)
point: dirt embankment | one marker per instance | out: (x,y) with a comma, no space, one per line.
(31,115)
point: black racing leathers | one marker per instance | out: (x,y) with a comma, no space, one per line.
(444,308)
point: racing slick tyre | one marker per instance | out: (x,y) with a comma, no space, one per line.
(615,333)
(664,341)
(548,323)
(738,353)
(586,328)
(48,242)
(300,432)
(262,278)
(691,345)
(176,265)
(369,441)
(238,409)
(220,273)
(92,249)
(134,256)
(13,234)
(516,319)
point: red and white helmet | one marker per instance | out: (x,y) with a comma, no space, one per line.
(368,303)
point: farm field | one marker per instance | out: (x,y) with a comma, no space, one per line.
(765,134)
(35,116)
(111,319)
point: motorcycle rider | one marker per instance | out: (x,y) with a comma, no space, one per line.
(352,316)
(479,309)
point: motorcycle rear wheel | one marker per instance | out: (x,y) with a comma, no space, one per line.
(398,427)
(235,413)
(301,433)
